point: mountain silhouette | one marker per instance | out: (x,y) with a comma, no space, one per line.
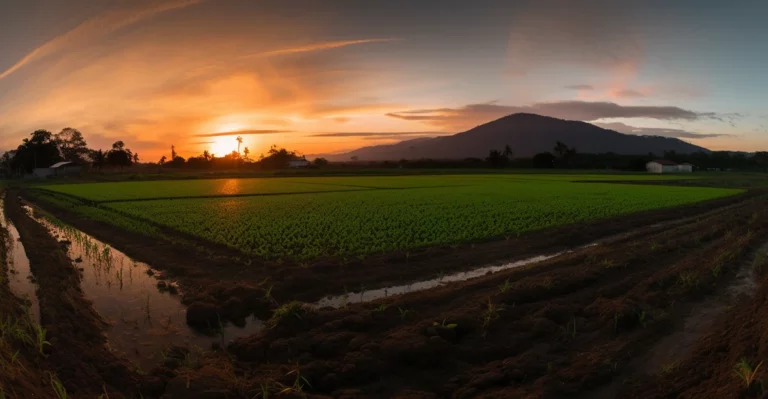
(527,135)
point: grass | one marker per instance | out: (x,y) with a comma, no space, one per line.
(292,309)
(505,287)
(746,372)
(58,387)
(490,313)
(357,216)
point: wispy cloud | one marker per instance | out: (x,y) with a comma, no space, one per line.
(98,26)
(656,131)
(377,134)
(324,46)
(474,114)
(579,87)
(243,133)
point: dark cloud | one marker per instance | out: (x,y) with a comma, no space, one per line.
(655,131)
(474,114)
(202,142)
(376,134)
(243,133)
(579,87)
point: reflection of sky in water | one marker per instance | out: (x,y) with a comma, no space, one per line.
(367,296)
(143,320)
(19,274)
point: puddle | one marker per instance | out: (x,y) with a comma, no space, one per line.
(367,296)
(144,320)
(19,275)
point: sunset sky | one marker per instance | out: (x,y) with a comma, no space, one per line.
(329,75)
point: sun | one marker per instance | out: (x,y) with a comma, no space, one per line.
(224,145)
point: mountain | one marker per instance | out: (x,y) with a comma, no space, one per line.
(527,135)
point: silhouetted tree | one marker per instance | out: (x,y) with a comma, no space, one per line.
(37,151)
(162,160)
(239,141)
(354,158)
(119,155)
(496,158)
(246,151)
(72,145)
(320,162)
(277,158)
(173,152)
(507,152)
(544,160)
(98,158)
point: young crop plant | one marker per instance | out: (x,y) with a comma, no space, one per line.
(505,287)
(293,309)
(404,313)
(58,387)
(381,307)
(490,313)
(40,338)
(449,326)
(746,372)
(688,280)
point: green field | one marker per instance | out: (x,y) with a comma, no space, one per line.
(305,218)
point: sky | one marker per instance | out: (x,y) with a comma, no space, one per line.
(334,75)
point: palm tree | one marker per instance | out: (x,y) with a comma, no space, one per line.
(246,151)
(206,155)
(239,141)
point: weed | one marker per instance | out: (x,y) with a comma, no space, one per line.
(655,245)
(688,279)
(669,368)
(642,318)
(58,387)
(505,287)
(381,307)
(489,314)
(40,341)
(268,293)
(298,383)
(547,283)
(450,326)
(608,263)
(746,372)
(292,309)
(404,313)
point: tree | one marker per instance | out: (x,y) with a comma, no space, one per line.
(37,151)
(136,158)
(564,152)
(507,152)
(320,162)
(162,160)
(98,158)
(496,158)
(277,158)
(544,160)
(246,151)
(173,152)
(207,155)
(72,145)
(354,158)
(119,155)
(239,141)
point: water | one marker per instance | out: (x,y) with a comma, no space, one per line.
(144,320)
(367,296)
(20,277)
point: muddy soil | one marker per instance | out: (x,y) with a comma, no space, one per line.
(566,327)
(218,281)
(76,351)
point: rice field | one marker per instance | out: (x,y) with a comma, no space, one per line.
(307,218)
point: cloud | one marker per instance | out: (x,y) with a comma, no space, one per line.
(579,87)
(375,134)
(627,93)
(98,26)
(474,114)
(242,133)
(202,142)
(654,131)
(324,46)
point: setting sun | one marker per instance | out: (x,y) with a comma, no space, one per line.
(224,145)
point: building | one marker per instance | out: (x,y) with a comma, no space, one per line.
(58,169)
(665,166)
(298,163)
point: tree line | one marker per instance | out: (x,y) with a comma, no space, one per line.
(43,149)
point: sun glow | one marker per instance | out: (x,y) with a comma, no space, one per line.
(224,145)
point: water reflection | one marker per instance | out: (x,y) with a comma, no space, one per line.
(144,319)
(20,277)
(367,296)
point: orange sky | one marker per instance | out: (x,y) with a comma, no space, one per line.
(156,73)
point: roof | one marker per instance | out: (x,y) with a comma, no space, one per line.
(664,162)
(60,164)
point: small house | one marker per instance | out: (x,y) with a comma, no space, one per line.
(298,163)
(58,169)
(666,166)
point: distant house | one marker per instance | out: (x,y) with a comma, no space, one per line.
(665,166)
(58,169)
(298,163)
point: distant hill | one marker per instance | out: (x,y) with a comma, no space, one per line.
(527,135)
